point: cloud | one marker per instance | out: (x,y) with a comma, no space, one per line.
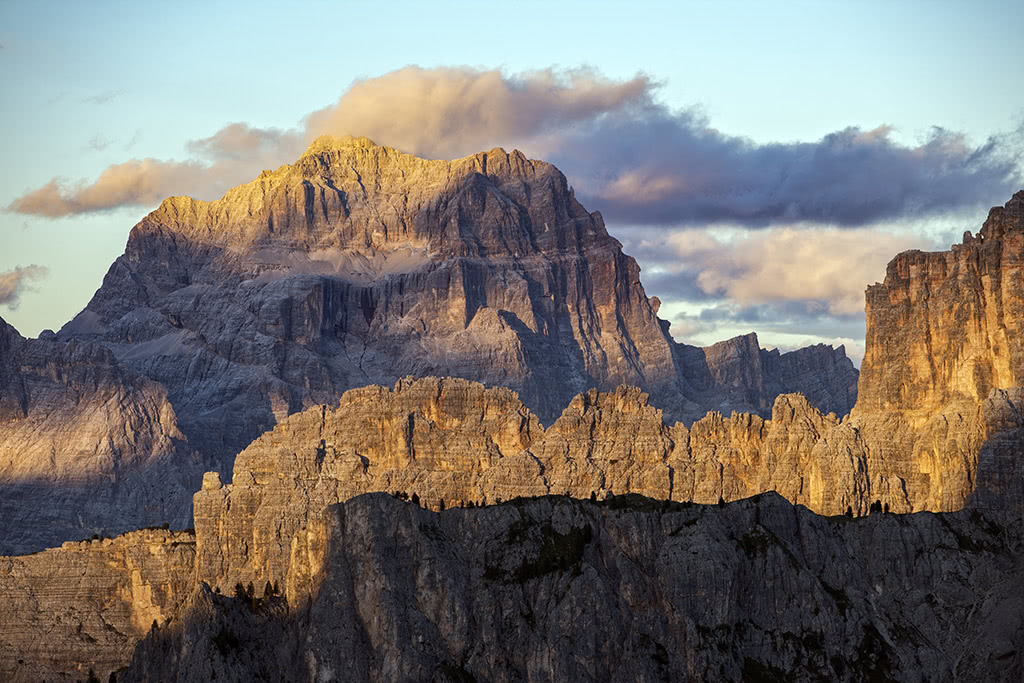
(784,283)
(827,267)
(99,143)
(102,98)
(136,136)
(14,282)
(629,154)
(226,159)
(450,112)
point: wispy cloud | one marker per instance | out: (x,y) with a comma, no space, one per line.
(14,282)
(102,98)
(99,143)
(136,136)
(224,160)
(628,154)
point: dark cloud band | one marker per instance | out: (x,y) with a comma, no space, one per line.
(629,154)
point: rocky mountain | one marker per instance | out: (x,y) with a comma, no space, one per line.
(940,393)
(454,442)
(543,589)
(758,589)
(359,264)
(86,446)
(355,265)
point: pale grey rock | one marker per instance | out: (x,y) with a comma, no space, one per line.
(86,446)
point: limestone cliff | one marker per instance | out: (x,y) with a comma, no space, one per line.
(943,366)
(85,445)
(631,589)
(86,604)
(452,442)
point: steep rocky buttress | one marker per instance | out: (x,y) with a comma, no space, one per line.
(86,446)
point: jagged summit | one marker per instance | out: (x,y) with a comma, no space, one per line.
(349,193)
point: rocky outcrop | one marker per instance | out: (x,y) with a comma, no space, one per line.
(450,442)
(824,375)
(85,446)
(738,375)
(85,605)
(947,326)
(629,589)
(942,369)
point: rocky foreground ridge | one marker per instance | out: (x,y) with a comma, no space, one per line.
(355,265)
(542,589)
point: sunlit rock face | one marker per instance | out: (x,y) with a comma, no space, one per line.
(939,400)
(359,264)
(86,446)
(85,605)
(451,442)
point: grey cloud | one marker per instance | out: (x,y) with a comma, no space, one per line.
(99,143)
(14,282)
(628,154)
(102,98)
(673,168)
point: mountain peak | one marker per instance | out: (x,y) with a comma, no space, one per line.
(327,142)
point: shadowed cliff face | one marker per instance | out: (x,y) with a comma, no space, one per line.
(629,589)
(86,446)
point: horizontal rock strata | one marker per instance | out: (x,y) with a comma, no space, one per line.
(85,605)
(451,442)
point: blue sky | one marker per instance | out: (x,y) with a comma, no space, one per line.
(89,85)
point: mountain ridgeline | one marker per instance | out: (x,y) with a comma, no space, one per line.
(286,333)
(355,265)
